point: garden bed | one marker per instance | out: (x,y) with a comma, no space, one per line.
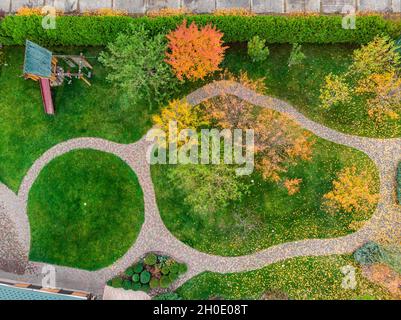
(153,274)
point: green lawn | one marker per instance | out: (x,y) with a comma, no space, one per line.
(300,85)
(268,215)
(85,210)
(26,132)
(314,278)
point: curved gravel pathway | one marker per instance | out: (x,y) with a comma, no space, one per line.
(154,236)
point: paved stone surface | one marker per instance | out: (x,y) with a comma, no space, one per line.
(154,236)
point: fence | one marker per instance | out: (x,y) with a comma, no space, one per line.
(205,6)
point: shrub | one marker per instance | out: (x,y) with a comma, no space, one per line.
(168,12)
(165,270)
(182,268)
(127,284)
(106,12)
(296,56)
(117,282)
(150,259)
(167,296)
(138,267)
(135,277)
(242,12)
(27,11)
(174,268)
(129,272)
(145,277)
(369,253)
(195,52)
(154,283)
(335,91)
(136,286)
(392,257)
(165,282)
(257,49)
(173,277)
(145,287)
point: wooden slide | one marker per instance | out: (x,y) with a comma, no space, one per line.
(46,95)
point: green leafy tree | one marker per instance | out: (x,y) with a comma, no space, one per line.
(207,188)
(136,65)
(257,49)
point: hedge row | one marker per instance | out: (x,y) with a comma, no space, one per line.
(94,30)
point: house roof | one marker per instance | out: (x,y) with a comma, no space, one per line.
(38,60)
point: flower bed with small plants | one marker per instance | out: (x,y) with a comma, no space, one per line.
(153,274)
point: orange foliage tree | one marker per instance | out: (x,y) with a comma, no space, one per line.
(279,141)
(195,52)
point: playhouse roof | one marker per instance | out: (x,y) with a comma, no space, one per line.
(38,60)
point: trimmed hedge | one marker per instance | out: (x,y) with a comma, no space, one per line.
(95,30)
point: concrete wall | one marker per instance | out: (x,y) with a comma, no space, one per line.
(204,6)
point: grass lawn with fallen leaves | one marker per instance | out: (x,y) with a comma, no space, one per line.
(304,278)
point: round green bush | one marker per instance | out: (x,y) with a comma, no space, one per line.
(165,270)
(135,277)
(182,268)
(173,276)
(138,267)
(369,253)
(145,277)
(165,282)
(174,268)
(127,284)
(145,288)
(150,259)
(117,282)
(154,283)
(129,272)
(136,286)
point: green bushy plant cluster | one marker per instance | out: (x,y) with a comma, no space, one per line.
(95,30)
(257,49)
(296,56)
(369,253)
(152,272)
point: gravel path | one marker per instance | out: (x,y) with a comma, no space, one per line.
(154,236)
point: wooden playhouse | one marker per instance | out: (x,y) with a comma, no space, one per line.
(42,66)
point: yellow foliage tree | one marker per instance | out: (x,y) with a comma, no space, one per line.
(351,193)
(385,95)
(180,112)
(334,91)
